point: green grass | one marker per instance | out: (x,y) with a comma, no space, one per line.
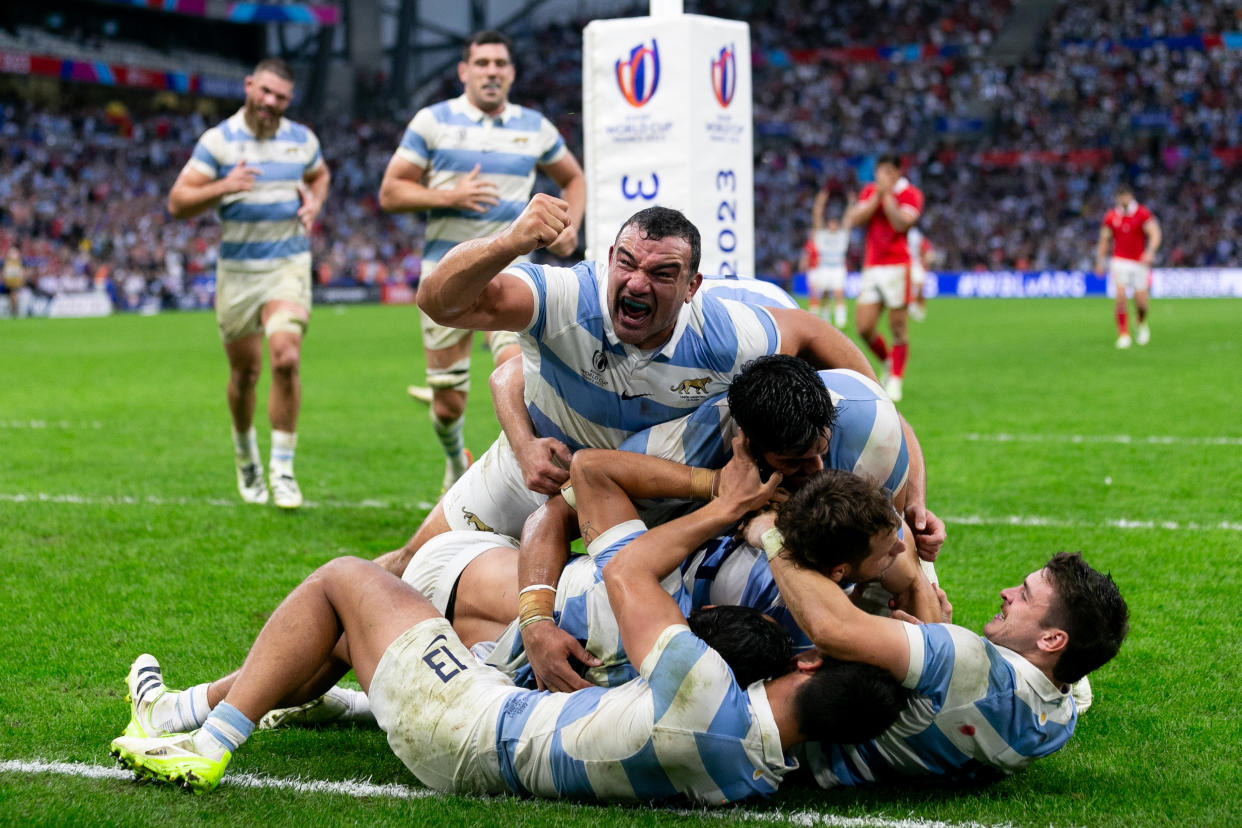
(141,544)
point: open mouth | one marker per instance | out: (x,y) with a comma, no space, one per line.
(632,313)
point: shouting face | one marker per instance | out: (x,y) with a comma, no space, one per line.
(648,282)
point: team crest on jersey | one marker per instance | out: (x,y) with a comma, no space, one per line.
(638,77)
(691,389)
(476,523)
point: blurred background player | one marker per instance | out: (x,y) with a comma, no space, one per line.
(921,255)
(266,178)
(887,207)
(1135,234)
(14,279)
(824,261)
(470,163)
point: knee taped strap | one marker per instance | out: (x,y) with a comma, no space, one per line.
(284,321)
(497,341)
(455,377)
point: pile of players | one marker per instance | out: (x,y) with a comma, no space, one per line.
(756,596)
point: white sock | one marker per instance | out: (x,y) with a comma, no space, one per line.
(356,700)
(450,435)
(181,711)
(225,730)
(283,445)
(246,445)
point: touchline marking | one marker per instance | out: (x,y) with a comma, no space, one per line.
(1120,439)
(1117,523)
(229,503)
(360,788)
(42,424)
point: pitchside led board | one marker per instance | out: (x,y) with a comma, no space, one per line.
(667,121)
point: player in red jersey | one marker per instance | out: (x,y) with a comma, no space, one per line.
(888,207)
(1135,234)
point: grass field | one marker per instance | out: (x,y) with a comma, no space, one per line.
(122,533)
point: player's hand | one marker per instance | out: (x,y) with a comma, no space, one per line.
(545,464)
(566,243)
(1148,258)
(756,525)
(473,193)
(929,531)
(310,208)
(241,178)
(539,225)
(740,489)
(549,648)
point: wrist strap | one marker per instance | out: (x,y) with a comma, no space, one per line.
(773,542)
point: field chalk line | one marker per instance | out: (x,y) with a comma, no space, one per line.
(961,520)
(361,789)
(1119,439)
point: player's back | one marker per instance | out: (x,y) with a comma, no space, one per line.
(685,728)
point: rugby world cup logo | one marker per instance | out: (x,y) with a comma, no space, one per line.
(724,75)
(638,77)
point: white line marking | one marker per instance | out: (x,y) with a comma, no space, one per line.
(42,424)
(1120,439)
(967,520)
(229,503)
(359,788)
(1118,523)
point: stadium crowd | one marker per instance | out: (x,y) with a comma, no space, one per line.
(1018,161)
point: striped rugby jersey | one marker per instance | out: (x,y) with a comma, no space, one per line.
(978,707)
(750,291)
(589,390)
(449,138)
(867,439)
(261,226)
(685,728)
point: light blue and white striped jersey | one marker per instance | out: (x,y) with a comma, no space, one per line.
(750,291)
(590,390)
(867,439)
(582,609)
(978,707)
(684,729)
(261,226)
(449,138)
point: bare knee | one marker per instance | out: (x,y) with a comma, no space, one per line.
(448,404)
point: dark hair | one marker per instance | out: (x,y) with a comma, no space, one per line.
(781,404)
(483,38)
(832,519)
(845,703)
(276,66)
(755,647)
(1123,187)
(664,222)
(889,158)
(1090,609)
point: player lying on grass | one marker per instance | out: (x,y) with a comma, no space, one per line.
(685,728)
(983,705)
(798,422)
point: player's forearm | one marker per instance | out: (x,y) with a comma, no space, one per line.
(1154,239)
(911,589)
(818,605)
(508,388)
(815,340)
(455,285)
(545,544)
(319,183)
(400,195)
(900,219)
(1101,254)
(862,211)
(915,491)
(187,201)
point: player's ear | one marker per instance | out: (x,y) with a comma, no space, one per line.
(1053,640)
(461,71)
(808,661)
(695,281)
(839,572)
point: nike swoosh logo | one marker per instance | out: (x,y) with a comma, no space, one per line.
(625,395)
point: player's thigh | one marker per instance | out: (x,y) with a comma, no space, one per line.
(442,563)
(492,495)
(245,355)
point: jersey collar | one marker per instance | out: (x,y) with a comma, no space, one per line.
(477,115)
(773,757)
(1035,677)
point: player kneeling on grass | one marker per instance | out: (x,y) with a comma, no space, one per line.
(463,727)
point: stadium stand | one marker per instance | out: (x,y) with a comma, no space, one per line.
(1017,158)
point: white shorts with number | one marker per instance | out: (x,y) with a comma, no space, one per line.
(492,495)
(439,704)
(1129,274)
(821,280)
(885,284)
(241,294)
(440,561)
